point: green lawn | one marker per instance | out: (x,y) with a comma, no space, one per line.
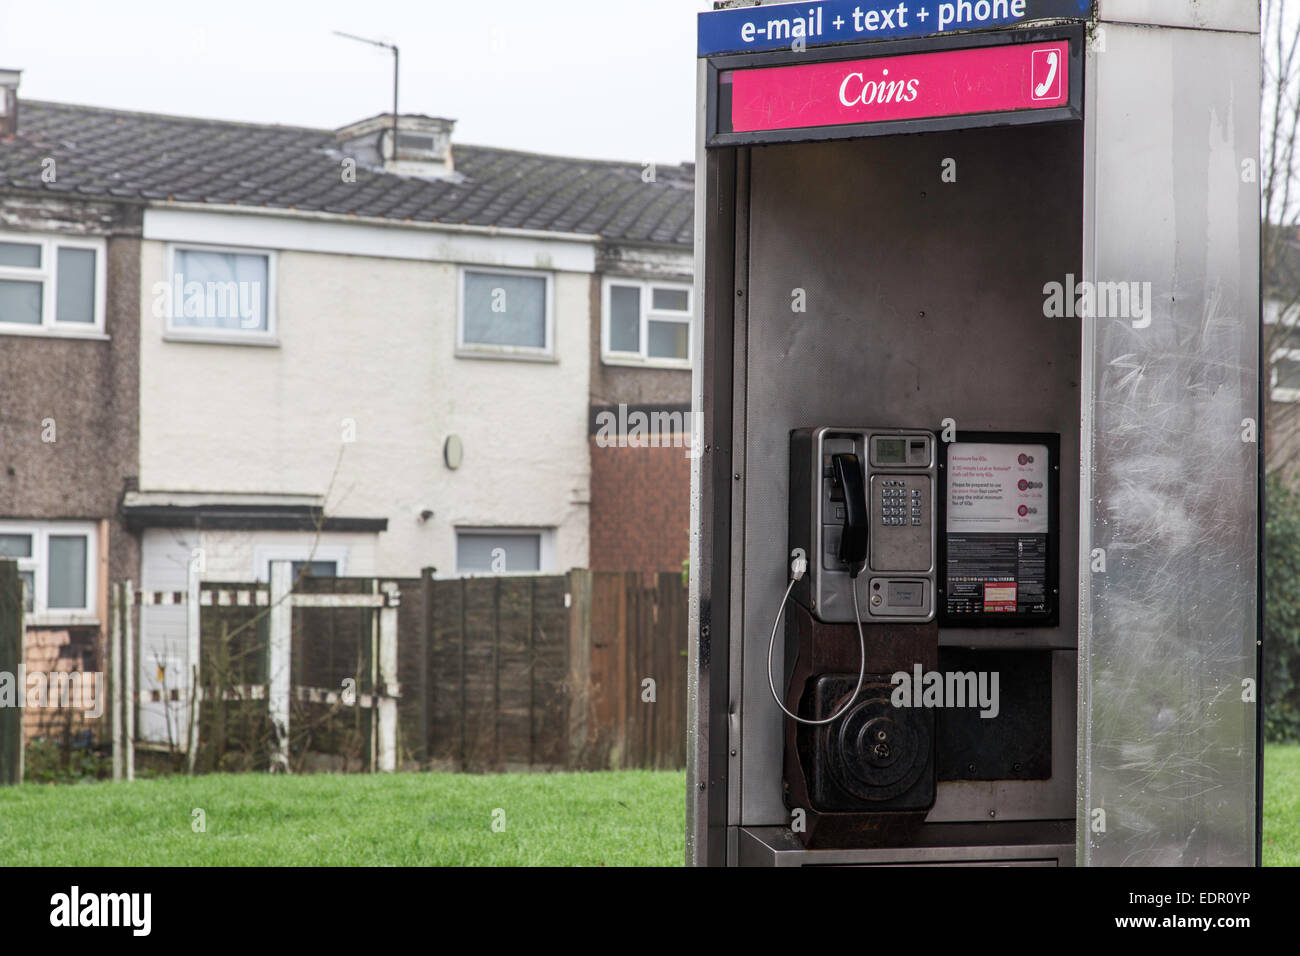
(1282,805)
(630,818)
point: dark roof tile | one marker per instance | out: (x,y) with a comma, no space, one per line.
(152,157)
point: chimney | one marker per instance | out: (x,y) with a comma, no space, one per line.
(423,144)
(9,101)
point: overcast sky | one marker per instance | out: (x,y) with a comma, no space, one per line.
(597,78)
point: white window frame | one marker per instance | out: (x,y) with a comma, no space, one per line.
(39,563)
(411,153)
(185,333)
(520,352)
(648,314)
(1280,394)
(48,276)
(264,554)
(545,552)
(1273,319)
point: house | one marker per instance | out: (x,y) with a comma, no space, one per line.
(223,344)
(1280,308)
(68,398)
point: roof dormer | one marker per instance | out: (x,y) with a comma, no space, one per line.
(423,144)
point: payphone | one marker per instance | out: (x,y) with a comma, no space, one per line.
(862,507)
(898,527)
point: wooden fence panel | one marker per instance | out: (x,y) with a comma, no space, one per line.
(674,623)
(446,654)
(549,686)
(653,634)
(480,696)
(413,671)
(514,674)
(607,709)
(640,641)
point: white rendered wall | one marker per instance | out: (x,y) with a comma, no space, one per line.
(372,340)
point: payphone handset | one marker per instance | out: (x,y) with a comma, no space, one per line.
(862,507)
(846,476)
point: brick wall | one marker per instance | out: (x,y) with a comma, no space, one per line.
(640,508)
(64,651)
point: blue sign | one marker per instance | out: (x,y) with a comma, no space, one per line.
(797,26)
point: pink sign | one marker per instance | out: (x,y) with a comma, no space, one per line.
(996,79)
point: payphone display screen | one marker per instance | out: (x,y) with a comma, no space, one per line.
(1000,532)
(891,451)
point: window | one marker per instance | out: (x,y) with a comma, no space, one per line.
(647,323)
(1282,338)
(416,145)
(1288,339)
(507,314)
(321,561)
(502,551)
(313,569)
(21,548)
(56,561)
(1285,374)
(51,286)
(218,295)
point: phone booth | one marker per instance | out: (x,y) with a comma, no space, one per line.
(975,540)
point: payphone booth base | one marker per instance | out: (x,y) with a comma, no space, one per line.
(868,779)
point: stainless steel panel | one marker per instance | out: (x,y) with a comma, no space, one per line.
(697,717)
(1167,744)
(708,651)
(1203,14)
(736,753)
(775,846)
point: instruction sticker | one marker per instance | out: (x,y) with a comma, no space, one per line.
(997,489)
(998,530)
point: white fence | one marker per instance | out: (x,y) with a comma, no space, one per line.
(171,699)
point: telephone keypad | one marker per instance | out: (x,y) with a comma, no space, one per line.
(900,502)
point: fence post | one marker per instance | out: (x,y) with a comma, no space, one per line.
(579,676)
(115,678)
(621,673)
(12,673)
(428,688)
(193,652)
(128,675)
(281,638)
(386,705)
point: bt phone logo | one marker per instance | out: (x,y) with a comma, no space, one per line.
(1046,73)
